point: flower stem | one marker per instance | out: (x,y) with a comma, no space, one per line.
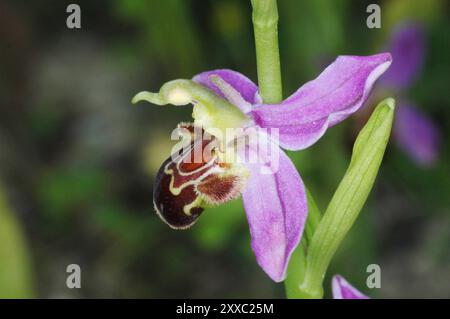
(265,25)
(297,265)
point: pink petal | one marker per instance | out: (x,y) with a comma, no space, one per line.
(276,208)
(337,93)
(241,85)
(343,290)
(417,135)
(408,50)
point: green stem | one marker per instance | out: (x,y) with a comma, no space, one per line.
(314,217)
(296,270)
(297,264)
(265,25)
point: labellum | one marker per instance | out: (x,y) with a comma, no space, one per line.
(194,177)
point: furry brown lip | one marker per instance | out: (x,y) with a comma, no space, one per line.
(185,181)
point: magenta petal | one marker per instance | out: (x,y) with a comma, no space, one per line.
(339,91)
(407,47)
(343,290)
(243,85)
(276,208)
(416,135)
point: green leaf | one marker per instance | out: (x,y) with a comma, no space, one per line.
(15,267)
(349,197)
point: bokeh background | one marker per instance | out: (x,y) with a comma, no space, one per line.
(77,160)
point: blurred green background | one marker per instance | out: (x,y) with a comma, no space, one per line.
(77,160)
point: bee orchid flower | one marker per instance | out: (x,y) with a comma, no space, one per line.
(272,190)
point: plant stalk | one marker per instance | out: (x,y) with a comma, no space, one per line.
(265,26)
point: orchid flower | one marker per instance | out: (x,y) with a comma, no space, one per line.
(343,290)
(273,193)
(415,133)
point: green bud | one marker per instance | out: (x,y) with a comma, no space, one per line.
(349,197)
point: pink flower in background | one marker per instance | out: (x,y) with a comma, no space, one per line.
(343,290)
(414,132)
